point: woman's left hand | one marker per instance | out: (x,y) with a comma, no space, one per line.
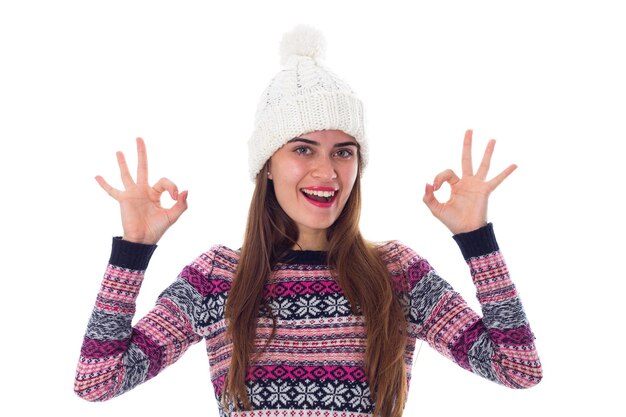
(466,210)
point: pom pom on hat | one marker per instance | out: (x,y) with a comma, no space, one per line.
(304,97)
(302,41)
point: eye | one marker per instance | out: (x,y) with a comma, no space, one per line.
(303,150)
(344,153)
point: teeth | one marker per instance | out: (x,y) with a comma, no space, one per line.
(319,193)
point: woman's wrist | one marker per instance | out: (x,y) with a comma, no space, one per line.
(131,255)
(477,242)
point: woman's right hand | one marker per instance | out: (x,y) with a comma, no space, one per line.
(143,218)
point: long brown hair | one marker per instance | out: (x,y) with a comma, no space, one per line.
(270,233)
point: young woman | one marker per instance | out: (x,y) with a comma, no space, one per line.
(306,316)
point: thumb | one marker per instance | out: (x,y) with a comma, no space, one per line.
(429,198)
(179,208)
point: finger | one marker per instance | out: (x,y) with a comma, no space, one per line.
(142,162)
(466,159)
(493,183)
(165,184)
(445,176)
(179,208)
(127,180)
(106,187)
(483,169)
(429,199)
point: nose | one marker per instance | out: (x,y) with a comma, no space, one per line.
(324,169)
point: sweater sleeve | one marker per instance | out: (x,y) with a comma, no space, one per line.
(116,356)
(500,345)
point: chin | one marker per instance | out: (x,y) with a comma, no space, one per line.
(321,224)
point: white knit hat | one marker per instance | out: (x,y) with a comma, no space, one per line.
(303,97)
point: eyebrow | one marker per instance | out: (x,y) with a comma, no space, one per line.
(312,142)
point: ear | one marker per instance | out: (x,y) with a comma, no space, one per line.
(268,167)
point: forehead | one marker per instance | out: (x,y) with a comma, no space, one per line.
(328,136)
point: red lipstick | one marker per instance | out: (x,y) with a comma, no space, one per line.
(319,200)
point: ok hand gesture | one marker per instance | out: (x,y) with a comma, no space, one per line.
(466,210)
(143,218)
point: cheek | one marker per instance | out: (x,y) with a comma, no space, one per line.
(349,177)
(286,183)
(282,189)
(288,174)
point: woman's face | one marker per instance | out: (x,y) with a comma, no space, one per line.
(313,175)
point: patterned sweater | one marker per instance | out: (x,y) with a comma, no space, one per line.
(314,363)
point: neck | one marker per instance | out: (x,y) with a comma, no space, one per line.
(311,240)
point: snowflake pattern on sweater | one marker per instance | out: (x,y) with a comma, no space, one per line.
(314,362)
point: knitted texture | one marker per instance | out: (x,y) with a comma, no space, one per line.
(314,364)
(303,97)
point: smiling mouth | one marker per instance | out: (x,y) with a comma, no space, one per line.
(320,196)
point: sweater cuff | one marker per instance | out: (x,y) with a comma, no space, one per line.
(130,255)
(477,242)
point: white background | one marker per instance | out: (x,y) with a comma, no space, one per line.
(80,80)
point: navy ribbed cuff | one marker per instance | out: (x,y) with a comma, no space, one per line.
(130,255)
(477,242)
